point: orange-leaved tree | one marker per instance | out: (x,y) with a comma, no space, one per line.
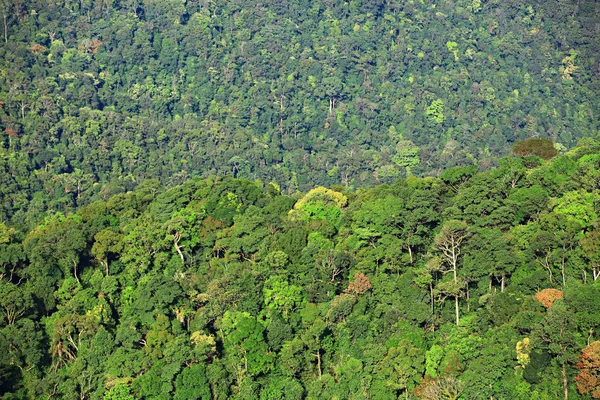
(588,378)
(360,285)
(548,296)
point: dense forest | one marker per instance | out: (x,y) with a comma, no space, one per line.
(473,285)
(292,199)
(97,96)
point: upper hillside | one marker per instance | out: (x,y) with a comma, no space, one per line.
(95,96)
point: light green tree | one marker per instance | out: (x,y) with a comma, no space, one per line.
(407,155)
(435,111)
(453,48)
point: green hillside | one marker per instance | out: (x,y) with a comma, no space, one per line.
(477,285)
(97,96)
(298,199)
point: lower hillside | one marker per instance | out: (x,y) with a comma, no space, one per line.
(468,286)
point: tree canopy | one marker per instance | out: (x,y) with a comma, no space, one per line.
(96,97)
(224,288)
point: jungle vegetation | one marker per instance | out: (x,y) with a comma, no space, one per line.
(97,96)
(299,199)
(471,285)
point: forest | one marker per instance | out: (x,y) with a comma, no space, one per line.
(473,285)
(98,96)
(292,199)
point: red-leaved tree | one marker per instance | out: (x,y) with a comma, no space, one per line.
(360,285)
(588,379)
(548,296)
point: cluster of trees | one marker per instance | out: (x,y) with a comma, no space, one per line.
(98,95)
(471,285)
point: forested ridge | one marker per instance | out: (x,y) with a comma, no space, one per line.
(473,285)
(96,96)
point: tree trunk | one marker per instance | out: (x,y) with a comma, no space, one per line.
(75,271)
(454,262)
(331,105)
(468,298)
(456,307)
(562,272)
(502,284)
(5,30)
(431,295)
(565,381)
(176,238)
(319,363)
(546,265)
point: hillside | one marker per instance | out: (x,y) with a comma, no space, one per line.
(97,96)
(479,284)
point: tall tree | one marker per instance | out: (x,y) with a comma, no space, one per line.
(449,243)
(558,334)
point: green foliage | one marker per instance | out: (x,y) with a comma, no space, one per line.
(320,204)
(237,291)
(192,384)
(578,206)
(529,202)
(453,48)
(245,345)
(436,111)
(282,296)
(93,101)
(407,155)
(119,392)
